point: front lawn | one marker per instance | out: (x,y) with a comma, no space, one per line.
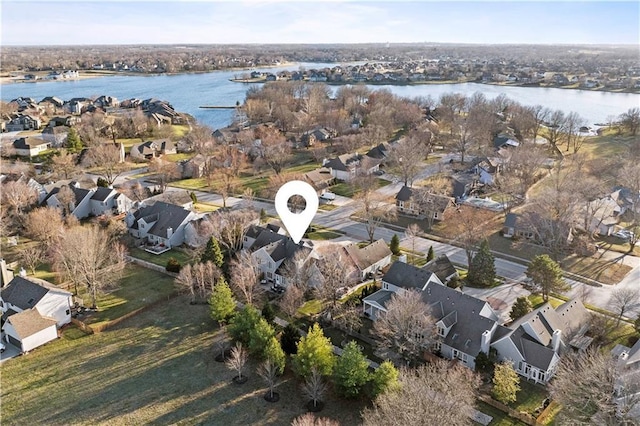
(322,235)
(537,301)
(155,368)
(604,271)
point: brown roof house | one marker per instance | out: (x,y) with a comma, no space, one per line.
(370,259)
(422,204)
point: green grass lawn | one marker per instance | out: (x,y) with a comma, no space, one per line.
(178,157)
(205,207)
(161,259)
(137,288)
(311,307)
(500,418)
(537,301)
(322,235)
(529,398)
(604,271)
(190,184)
(155,368)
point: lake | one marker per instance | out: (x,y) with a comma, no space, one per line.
(187,92)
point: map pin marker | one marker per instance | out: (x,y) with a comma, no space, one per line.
(296,223)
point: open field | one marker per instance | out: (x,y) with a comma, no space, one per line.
(158,368)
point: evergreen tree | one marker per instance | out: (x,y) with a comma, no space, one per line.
(74,144)
(506,383)
(431,254)
(102,182)
(213,253)
(546,273)
(636,324)
(314,352)
(242,323)
(274,353)
(482,271)
(222,303)
(394,245)
(520,308)
(384,378)
(485,362)
(268,312)
(259,336)
(352,371)
(289,339)
(263,216)
(194,197)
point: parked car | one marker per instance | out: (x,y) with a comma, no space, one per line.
(2,347)
(328,196)
(624,234)
(276,288)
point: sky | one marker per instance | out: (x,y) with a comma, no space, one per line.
(86,22)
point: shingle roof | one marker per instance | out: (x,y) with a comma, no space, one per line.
(23,293)
(369,255)
(441,266)
(404,194)
(166,216)
(265,238)
(102,193)
(380,297)
(29,322)
(510,220)
(404,275)
(463,313)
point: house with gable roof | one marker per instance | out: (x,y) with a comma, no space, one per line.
(80,207)
(420,203)
(370,259)
(108,200)
(32,311)
(30,146)
(161,224)
(347,166)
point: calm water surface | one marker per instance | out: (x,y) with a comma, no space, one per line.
(186,92)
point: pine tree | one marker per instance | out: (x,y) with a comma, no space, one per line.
(222,303)
(213,253)
(482,271)
(520,308)
(505,382)
(259,336)
(394,245)
(289,339)
(268,312)
(384,378)
(263,216)
(274,353)
(74,144)
(314,352)
(431,254)
(352,371)
(243,323)
(546,273)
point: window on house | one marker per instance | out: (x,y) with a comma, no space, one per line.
(440,331)
(437,346)
(541,376)
(67,312)
(30,301)
(455,353)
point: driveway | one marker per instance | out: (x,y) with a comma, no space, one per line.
(10,352)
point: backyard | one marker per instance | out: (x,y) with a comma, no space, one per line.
(157,367)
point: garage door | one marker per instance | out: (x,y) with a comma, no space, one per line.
(15,342)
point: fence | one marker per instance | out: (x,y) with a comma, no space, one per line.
(523,417)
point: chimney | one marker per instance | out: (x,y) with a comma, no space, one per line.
(556,339)
(402,258)
(169,232)
(485,341)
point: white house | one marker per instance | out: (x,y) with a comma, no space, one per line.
(30,147)
(50,301)
(161,224)
(80,206)
(28,329)
(271,250)
(109,200)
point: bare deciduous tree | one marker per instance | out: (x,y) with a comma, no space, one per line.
(18,196)
(244,279)
(31,257)
(275,148)
(406,158)
(407,327)
(198,280)
(335,271)
(310,420)
(292,300)
(45,224)
(622,299)
(268,370)
(230,227)
(237,359)
(412,233)
(164,172)
(105,157)
(88,255)
(314,387)
(64,165)
(434,394)
(592,390)
(371,206)
(67,199)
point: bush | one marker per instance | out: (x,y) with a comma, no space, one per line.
(454,282)
(289,339)
(268,312)
(173,265)
(102,182)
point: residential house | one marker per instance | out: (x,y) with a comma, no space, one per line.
(49,300)
(347,166)
(505,141)
(421,203)
(628,374)
(400,277)
(30,146)
(370,259)
(28,329)
(56,136)
(516,226)
(22,122)
(626,199)
(176,198)
(487,169)
(108,200)
(271,250)
(160,224)
(151,149)
(51,101)
(195,167)
(254,231)
(442,267)
(80,206)
(379,152)
(603,214)
(535,342)
(106,102)
(321,179)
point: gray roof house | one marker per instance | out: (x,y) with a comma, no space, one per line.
(161,225)
(420,203)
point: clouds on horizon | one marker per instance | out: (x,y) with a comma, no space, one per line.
(161,22)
